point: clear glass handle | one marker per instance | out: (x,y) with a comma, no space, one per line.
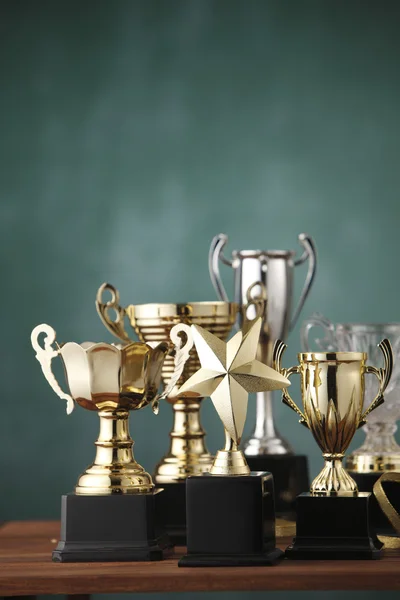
(328,343)
(45,355)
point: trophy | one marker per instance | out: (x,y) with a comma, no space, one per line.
(379,452)
(267,278)
(333,519)
(187,454)
(112,516)
(230,511)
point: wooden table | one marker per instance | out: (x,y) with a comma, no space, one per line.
(26,569)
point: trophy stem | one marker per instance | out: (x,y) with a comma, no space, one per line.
(187,454)
(265,439)
(115,470)
(230,460)
(333,478)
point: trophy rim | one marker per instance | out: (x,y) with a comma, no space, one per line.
(370,327)
(260,253)
(177,309)
(332,356)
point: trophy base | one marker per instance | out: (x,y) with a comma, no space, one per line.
(230,521)
(291,478)
(172,511)
(379,521)
(334,527)
(110,528)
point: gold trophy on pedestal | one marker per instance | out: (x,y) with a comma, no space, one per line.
(230,511)
(187,454)
(333,520)
(112,515)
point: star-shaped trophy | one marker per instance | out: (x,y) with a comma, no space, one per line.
(230,511)
(229,372)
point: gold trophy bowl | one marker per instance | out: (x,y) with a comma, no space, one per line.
(112,381)
(332,389)
(152,323)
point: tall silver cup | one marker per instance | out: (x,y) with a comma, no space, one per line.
(263,284)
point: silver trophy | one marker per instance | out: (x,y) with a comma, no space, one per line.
(263,284)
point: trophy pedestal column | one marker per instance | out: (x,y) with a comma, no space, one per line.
(291,478)
(334,527)
(187,455)
(230,521)
(117,527)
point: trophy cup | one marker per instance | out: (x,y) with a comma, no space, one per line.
(267,277)
(333,519)
(112,516)
(230,511)
(187,454)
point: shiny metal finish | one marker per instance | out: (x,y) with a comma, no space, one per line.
(332,389)
(266,277)
(229,371)
(152,323)
(380,451)
(111,381)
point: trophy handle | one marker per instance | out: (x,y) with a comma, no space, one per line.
(214,256)
(259,303)
(116,327)
(45,355)
(327,343)
(310,252)
(383,376)
(279,349)
(180,358)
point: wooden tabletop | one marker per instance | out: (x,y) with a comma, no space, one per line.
(26,569)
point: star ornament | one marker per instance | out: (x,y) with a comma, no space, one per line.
(229,372)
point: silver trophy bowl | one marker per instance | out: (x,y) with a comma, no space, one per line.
(263,286)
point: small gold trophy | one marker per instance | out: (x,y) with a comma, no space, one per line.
(111,515)
(230,511)
(187,454)
(333,520)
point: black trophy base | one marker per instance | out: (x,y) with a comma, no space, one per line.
(379,521)
(110,528)
(230,521)
(334,527)
(291,478)
(172,511)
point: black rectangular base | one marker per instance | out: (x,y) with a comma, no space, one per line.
(110,528)
(172,511)
(291,478)
(230,521)
(334,527)
(379,521)
(251,560)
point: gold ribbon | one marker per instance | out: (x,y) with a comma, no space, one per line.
(384,502)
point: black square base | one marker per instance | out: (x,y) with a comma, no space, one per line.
(110,528)
(291,478)
(230,521)
(379,521)
(172,511)
(334,527)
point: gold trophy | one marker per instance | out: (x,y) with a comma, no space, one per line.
(114,498)
(187,454)
(333,520)
(230,511)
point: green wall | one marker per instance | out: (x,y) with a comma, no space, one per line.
(131,133)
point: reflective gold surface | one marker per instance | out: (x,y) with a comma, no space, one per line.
(111,381)
(229,371)
(152,323)
(387,507)
(332,388)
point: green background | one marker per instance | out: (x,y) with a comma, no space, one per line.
(134,131)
